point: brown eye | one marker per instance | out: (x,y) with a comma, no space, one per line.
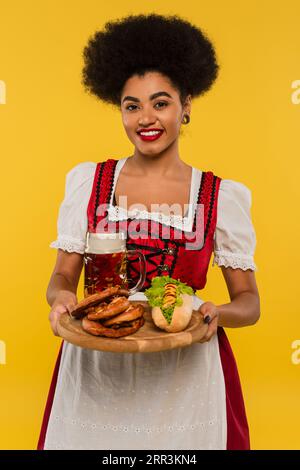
(130,106)
(161,102)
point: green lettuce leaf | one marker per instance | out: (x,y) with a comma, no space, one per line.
(156,292)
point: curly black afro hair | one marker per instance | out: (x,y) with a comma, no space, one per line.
(140,43)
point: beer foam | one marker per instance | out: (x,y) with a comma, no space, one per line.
(105,242)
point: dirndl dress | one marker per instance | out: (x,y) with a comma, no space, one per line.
(184,398)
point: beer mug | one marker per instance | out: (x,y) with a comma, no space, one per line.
(105,263)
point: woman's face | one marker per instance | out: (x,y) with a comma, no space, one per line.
(150,102)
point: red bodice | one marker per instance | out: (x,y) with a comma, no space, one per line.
(168,251)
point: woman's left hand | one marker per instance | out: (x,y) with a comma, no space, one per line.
(211,316)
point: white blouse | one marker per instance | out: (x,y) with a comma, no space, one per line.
(234,238)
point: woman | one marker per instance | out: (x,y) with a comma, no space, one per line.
(187,398)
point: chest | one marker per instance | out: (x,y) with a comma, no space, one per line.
(162,195)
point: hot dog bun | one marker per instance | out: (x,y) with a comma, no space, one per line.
(181,315)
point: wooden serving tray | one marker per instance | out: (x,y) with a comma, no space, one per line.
(149,338)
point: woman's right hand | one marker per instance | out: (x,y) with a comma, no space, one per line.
(64,302)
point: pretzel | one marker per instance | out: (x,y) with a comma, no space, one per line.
(97,329)
(109,313)
(117,305)
(130,314)
(80,309)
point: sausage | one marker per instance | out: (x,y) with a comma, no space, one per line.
(169,296)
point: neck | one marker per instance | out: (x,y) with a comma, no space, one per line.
(164,164)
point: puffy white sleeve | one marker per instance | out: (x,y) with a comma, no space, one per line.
(72,222)
(234,239)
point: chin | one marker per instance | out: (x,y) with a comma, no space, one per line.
(150,152)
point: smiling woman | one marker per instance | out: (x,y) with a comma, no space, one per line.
(156,80)
(184,398)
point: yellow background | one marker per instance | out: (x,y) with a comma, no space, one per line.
(244,129)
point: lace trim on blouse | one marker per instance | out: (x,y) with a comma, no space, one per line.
(185,223)
(234,260)
(69,244)
(182,223)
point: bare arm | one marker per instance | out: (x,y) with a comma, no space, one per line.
(244,308)
(66,274)
(62,287)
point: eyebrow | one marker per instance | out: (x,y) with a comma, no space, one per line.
(152,97)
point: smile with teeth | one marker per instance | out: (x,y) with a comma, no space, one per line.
(150,133)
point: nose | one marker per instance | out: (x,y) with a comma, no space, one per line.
(147,117)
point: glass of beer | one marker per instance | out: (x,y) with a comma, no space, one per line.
(105,263)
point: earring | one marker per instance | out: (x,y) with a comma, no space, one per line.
(186,119)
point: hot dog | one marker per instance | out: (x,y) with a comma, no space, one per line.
(171,302)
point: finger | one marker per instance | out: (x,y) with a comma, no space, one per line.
(211,331)
(54,315)
(59,308)
(54,318)
(210,334)
(56,312)
(208,310)
(70,307)
(209,316)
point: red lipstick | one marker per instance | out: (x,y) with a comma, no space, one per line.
(154,136)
